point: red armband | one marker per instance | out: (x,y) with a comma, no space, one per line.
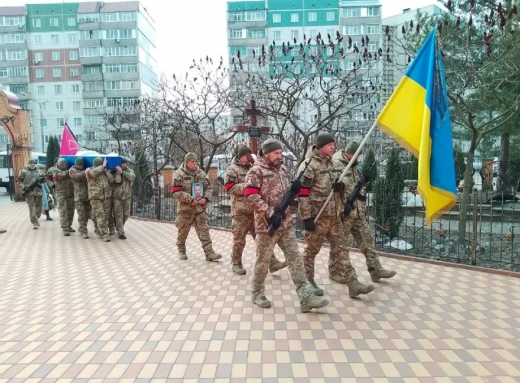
(251,190)
(55,177)
(304,192)
(176,189)
(229,185)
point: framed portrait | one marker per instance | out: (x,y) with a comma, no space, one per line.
(197,191)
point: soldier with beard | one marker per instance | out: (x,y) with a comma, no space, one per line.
(242,216)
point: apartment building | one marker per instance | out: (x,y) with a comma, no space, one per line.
(77,62)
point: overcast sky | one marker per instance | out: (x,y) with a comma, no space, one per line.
(192,29)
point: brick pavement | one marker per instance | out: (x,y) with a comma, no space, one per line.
(75,310)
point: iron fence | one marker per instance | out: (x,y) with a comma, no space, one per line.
(490,239)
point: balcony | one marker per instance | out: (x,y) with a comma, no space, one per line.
(13,28)
(119,25)
(88,26)
(120,59)
(93,94)
(91,77)
(90,60)
(248,42)
(93,111)
(247,24)
(123,93)
(120,76)
(89,43)
(122,42)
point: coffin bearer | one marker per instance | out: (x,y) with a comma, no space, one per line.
(64,195)
(122,196)
(81,201)
(356,223)
(242,217)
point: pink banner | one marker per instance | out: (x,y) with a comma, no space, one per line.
(69,145)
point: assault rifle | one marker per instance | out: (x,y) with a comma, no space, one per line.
(286,201)
(36,183)
(349,203)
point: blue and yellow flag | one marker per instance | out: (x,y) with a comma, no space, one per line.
(417,116)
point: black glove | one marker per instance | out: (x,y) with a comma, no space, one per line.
(276,220)
(309,224)
(338,186)
(296,186)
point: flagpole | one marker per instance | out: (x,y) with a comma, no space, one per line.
(349,165)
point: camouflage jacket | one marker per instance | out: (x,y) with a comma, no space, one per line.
(63,182)
(26,177)
(79,180)
(316,186)
(350,180)
(99,183)
(235,183)
(122,187)
(266,185)
(182,189)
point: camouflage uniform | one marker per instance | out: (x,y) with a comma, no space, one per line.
(242,216)
(34,197)
(356,222)
(81,200)
(188,215)
(316,185)
(121,198)
(100,194)
(64,196)
(266,185)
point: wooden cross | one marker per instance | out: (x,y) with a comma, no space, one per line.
(252,128)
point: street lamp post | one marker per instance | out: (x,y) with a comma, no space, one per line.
(41,121)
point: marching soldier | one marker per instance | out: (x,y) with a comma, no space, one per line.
(317,182)
(29,180)
(99,181)
(81,201)
(122,194)
(64,195)
(242,217)
(192,210)
(355,223)
(266,184)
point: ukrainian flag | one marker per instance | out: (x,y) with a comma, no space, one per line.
(417,116)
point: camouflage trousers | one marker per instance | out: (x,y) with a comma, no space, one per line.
(100,211)
(120,213)
(83,208)
(339,260)
(265,244)
(35,207)
(358,227)
(241,225)
(184,223)
(66,210)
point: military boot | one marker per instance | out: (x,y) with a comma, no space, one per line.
(71,230)
(98,233)
(238,269)
(275,266)
(66,232)
(382,274)
(106,239)
(182,255)
(261,301)
(355,288)
(313,303)
(85,236)
(35,226)
(317,291)
(338,278)
(213,256)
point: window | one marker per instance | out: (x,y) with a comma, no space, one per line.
(73,55)
(236,34)
(44,125)
(58,89)
(75,88)
(295,17)
(127,33)
(354,29)
(4,72)
(19,71)
(111,34)
(93,86)
(37,23)
(41,90)
(38,56)
(373,11)
(40,73)
(76,105)
(372,29)
(59,105)
(256,33)
(88,18)
(331,32)
(120,51)
(71,38)
(110,17)
(313,16)
(71,21)
(93,103)
(236,16)
(277,18)
(90,52)
(372,47)
(16,55)
(294,34)
(43,106)
(56,56)
(91,136)
(314,33)
(55,39)
(74,72)
(37,39)
(331,16)
(60,122)
(90,35)
(128,16)
(277,35)
(56,72)
(18,88)
(77,121)
(352,12)
(54,22)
